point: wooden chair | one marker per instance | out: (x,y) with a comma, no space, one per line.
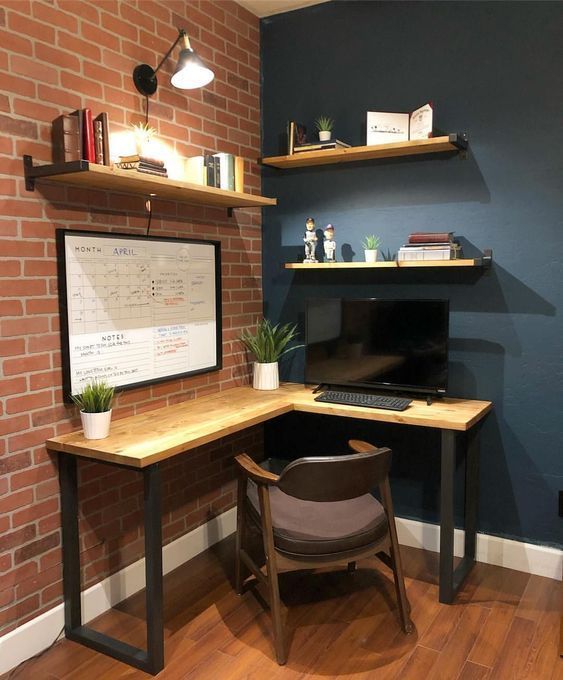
(317,512)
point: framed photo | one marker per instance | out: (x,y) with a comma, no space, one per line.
(385,128)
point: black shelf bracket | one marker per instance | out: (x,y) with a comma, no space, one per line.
(33,172)
(486,260)
(461,141)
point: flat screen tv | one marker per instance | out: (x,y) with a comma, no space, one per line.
(399,345)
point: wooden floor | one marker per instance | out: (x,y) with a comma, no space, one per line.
(505,625)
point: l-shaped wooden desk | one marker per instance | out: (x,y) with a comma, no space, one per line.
(141,442)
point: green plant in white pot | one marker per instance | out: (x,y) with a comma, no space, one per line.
(95,404)
(324,125)
(370,245)
(268,344)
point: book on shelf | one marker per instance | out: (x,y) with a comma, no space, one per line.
(386,127)
(296,135)
(88,137)
(66,139)
(434,252)
(136,158)
(78,136)
(431,237)
(319,146)
(101,122)
(220,170)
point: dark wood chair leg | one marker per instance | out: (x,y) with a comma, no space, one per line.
(272,575)
(241,529)
(404,606)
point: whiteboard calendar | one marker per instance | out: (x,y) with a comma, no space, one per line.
(137,310)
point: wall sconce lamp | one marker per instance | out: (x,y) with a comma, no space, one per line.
(189,74)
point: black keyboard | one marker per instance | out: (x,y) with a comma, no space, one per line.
(368,400)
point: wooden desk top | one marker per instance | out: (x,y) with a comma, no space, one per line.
(141,440)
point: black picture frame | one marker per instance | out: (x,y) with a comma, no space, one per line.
(61,235)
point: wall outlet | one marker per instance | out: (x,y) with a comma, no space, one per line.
(560,503)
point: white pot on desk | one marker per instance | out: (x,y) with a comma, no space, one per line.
(266,376)
(96,425)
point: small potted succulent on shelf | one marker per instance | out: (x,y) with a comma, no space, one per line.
(95,402)
(324,125)
(268,344)
(370,245)
(144,135)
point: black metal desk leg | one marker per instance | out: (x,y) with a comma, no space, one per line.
(71,550)
(153,568)
(448,461)
(471,491)
(151,660)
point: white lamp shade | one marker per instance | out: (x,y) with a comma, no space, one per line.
(191,72)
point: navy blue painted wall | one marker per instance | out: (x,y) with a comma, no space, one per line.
(495,71)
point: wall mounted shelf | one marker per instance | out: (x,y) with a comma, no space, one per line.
(94,176)
(484,262)
(446,143)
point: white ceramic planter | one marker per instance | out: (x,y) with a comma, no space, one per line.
(324,135)
(96,425)
(266,376)
(371,255)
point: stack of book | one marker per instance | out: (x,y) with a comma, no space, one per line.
(78,136)
(427,245)
(220,170)
(297,140)
(320,146)
(149,166)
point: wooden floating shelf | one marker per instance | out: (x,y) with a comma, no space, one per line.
(94,176)
(484,261)
(452,142)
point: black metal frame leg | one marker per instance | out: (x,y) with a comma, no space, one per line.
(151,660)
(451,579)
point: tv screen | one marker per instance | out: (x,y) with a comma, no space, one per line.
(397,345)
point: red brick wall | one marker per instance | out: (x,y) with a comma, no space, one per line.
(56,56)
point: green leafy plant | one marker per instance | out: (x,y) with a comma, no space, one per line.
(144,130)
(388,256)
(371,242)
(324,123)
(97,397)
(269,342)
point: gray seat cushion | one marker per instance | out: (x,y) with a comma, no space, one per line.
(311,528)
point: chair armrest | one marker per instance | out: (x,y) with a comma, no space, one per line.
(361,447)
(252,470)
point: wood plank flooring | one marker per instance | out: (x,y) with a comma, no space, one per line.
(504,626)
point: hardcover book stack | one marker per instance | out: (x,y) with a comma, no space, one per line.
(297,140)
(220,170)
(78,136)
(148,166)
(428,245)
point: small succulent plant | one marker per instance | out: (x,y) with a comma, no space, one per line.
(371,242)
(324,123)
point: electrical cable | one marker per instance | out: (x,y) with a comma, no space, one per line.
(148,206)
(17,669)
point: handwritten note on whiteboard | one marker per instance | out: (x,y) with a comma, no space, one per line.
(137,310)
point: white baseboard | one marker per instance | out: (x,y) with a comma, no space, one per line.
(37,634)
(533,559)
(30,638)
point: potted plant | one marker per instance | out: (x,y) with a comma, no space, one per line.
(95,403)
(324,125)
(370,245)
(144,134)
(268,344)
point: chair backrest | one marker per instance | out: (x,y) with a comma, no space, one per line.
(335,478)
